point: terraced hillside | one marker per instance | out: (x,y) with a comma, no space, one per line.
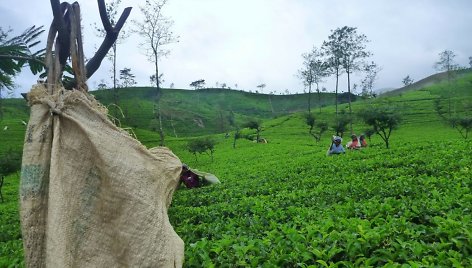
(205,111)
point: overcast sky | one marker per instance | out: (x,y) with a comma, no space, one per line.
(250,42)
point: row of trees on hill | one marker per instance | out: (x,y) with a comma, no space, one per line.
(343,53)
(112,9)
(156,31)
(126,79)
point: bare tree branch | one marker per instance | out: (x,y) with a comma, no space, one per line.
(62,24)
(110,38)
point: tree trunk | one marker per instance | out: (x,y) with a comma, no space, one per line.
(349,98)
(158,98)
(336,95)
(1,107)
(110,38)
(172,125)
(309,98)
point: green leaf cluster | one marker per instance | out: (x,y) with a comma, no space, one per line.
(16,53)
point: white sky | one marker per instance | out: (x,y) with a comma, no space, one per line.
(249,42)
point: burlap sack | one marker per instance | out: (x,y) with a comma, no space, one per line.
(91,195)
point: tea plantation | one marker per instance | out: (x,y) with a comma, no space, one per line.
(287,204)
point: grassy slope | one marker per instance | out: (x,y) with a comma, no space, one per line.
(12,129)
(200,112)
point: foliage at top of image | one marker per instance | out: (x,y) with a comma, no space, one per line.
(16,52)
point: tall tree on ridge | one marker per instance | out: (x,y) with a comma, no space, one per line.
(371,70)
(156,32)
(353,47)
(407,81)
(152,79)
(112,14)
(313,72)
(127,78)
(334,52)
(261,86)
(447,64)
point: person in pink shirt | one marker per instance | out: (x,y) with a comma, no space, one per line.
(354,144)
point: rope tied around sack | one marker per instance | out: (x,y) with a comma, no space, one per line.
(39,95)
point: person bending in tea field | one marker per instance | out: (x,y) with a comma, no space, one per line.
(189,178)
(192,178)
(362,140)
(336,146)
(354,144)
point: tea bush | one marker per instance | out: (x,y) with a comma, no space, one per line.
(286,204)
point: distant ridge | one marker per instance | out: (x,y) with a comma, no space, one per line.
(428,81)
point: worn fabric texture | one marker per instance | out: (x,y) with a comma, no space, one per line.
(91,195)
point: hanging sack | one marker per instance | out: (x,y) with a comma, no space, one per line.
(90,194)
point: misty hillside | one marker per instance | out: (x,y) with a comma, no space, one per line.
(428,81)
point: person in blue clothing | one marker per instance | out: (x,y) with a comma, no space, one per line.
(336,146)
